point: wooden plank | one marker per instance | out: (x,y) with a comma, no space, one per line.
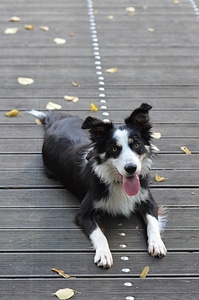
(58,240)
(19,265)
(116,289)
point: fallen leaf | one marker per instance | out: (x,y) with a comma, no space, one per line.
(25,80)
(38,121)
(93,107)
(64,294)
(150,29)
(71,98)
(156,135)
(61,273)
(12,113)
(53,106)
(72,34)
(96,13)
(59,41)
(12,30)
(131,10)
(75,84)
(29,27)
(112,70)
(44,28)
(185,150)
(15,19)
(176,1)
(158,178)
(144,272)
(111,17)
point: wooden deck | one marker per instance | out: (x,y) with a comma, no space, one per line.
(156,51)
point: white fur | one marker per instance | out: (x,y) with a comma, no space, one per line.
(103,257)
(156,246)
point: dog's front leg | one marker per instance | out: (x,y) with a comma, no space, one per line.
(103,257)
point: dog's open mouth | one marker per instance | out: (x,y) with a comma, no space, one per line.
(131,185)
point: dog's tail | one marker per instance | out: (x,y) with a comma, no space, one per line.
(38,114)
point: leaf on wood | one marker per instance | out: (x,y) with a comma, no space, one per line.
(25,80)
(150,29)
(12,30)
(75,84)
(158,178)
(131,10)
(61,273)
(176,2)
(60,41)
(111,17)
(29,27)
(93,107)
(71,98)
(72,34)
(64,294)
(144,272)
(185,150)
(44,28)
(53,106)
(12,113)
(156,135)
(96,13)
(38,121)
(15,19)
(112,70)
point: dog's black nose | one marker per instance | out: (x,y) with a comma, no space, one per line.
(130,168)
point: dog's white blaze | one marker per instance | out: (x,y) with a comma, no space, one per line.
(127,156)
(119,202)
(103,256)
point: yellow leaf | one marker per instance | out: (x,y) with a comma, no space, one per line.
(112,70)
(64,294)
(29,27)
(71,98)
(53,106)
(185,150)
(156,135)
(12,113)
(144,272)
(44,28)
(25,80)
(110,17)
(38,121)
(59,41)
(158,178)
(61,273)
(93,107)
(131,10)
(150,29)
(75,84)
(15,19)
(12,30)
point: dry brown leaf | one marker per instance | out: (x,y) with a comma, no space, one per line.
(15,19)
(112,70)
(12,113)
(185,150)
(25,80)
(158,178)
(64,294)
(61,273)
(72,34)
(53,106)
(75,84)
(59,41)
(29,27)
(144,272)
(44,28)
(12,30)
(156,135)
(93,107)
(71,98)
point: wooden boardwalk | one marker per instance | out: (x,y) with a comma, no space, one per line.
(156,51)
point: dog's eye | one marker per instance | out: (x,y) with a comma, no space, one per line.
(136,145)
(115,149)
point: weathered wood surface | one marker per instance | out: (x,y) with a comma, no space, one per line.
(156,53)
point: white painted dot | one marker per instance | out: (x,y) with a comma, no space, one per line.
(101,82)
(103,107)
(96,48)
(101,95)
(130,298)
(101,89)
(128,284)
(125,258)
(123,246)
(102,101)
(97,62)
(106,121)
(95,40)
(99,73)
(101,78)
(95,45)
(126,270)
(105,114)
(96,53)
(97,57)
(98,67)
(122,234)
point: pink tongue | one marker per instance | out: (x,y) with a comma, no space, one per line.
(131,185)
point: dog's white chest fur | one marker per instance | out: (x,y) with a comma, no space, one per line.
(118,202)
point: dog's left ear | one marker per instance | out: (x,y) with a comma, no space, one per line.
(140,119)
(98,129)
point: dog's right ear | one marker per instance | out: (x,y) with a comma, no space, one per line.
(97,128)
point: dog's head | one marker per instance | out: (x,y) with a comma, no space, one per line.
(119,150)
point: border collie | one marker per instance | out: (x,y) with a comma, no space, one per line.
(107,169)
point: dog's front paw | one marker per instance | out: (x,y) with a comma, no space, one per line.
(103,258)
(157,248)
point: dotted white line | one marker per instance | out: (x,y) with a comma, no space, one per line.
(97,58)
(195,7)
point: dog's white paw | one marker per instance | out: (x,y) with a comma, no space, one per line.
(103,258)
(156,247)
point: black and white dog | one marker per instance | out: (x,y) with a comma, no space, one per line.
(108,171)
